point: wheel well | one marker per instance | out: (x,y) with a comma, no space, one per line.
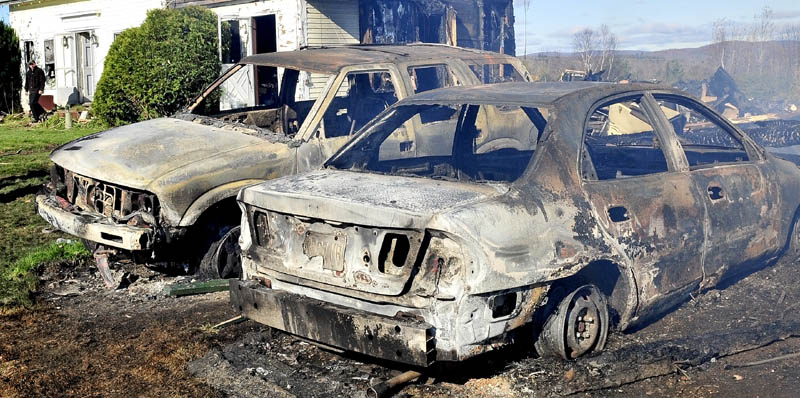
(226,212)
(614,281)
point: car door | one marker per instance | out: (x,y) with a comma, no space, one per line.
(649,209)
(741,209)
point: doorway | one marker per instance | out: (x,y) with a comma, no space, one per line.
(265,40)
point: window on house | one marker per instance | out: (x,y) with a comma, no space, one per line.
(705,140)
(231,42)
(620,142)
(30,55)
(49,59)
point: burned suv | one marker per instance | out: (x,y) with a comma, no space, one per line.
(461,215)
(165,189)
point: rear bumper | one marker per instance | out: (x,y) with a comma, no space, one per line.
(396,339)
(94,228)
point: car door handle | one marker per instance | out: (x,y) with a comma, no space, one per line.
(715,193)
(618,214)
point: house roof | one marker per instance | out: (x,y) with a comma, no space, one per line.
(332,59)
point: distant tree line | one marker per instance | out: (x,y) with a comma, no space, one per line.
(762,56)
(760,53)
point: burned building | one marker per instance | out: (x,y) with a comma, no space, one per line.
(481,24)
(486,25)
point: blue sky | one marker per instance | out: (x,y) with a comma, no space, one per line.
(4,14)
(638,24)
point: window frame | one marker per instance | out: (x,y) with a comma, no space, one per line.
(754,155)
(656,119)
(311,125)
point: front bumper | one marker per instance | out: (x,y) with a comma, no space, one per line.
(396,339)
(94,228)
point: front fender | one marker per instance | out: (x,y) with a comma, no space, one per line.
(212,197)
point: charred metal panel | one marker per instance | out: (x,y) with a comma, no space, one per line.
(400,339)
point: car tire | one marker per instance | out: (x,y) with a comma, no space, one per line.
(223,259)
(577,323)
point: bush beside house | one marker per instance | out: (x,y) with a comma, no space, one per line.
(156,69)
(10,70)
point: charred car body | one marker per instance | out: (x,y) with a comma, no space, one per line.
(462,214)
(165,189)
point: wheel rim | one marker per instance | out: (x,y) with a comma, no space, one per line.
(579,324)
(583,323)
(228,258)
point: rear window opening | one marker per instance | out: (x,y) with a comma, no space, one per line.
(477,143)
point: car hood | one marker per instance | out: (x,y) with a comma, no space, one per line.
(366,199)
(137,154)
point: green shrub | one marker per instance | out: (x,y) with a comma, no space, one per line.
(10,70)
(156,69)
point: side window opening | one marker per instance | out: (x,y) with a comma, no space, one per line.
(361,97)
(430,77)
(704,140)
(496,73)
(458,142)
(621,142)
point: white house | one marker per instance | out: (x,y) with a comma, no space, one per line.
(69,39)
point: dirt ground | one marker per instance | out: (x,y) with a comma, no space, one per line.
(83,340)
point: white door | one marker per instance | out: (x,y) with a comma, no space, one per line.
(86,78)
(239,90)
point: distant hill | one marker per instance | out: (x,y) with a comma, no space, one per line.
(767,71)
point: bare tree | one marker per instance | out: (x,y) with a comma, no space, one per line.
(525,6)
(719,36)
(608,48)
(584,44)
(763,31)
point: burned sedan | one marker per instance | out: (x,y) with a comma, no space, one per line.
(164,189)
(461,215)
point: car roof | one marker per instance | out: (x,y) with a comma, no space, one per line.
(524,93)
(332,59)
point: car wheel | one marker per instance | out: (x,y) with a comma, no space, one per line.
(223,259)
(576,326)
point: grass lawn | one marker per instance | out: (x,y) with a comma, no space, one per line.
(25,240)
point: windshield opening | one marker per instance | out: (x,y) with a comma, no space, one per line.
(475,143)
(264,97)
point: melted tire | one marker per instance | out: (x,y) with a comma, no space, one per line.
(223,258)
